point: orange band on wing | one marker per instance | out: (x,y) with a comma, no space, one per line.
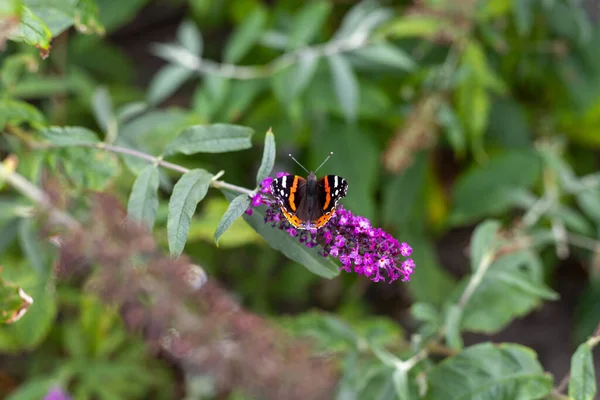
(292,219)
(292,197)
(321,221)
(327,194)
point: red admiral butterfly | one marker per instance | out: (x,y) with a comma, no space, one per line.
(309,203)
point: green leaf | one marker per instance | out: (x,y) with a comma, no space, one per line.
(308,23)
(345,84)
(589,202)
(289,246)
(523,15)
(512,286)
(143,200)
(486,371)
(103,110)
(19,112)
(364,17)
(190,37)
(187,193)
(32,30)
(245,36)
(388,55)
(85,168)
(453,322)
(14,302)
(455,133)
(206,223)
(582,385)
(494,187)
(237,208)
(414,25)
(166,82)
(303,73)
(29,240)
(216,138)
(483,242)
(35,325)
(268,158)
(69,136)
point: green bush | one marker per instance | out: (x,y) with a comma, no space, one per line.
(124,200)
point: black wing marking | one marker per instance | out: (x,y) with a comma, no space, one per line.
(331,188)
(289,190)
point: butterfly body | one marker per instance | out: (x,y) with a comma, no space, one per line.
(308,203)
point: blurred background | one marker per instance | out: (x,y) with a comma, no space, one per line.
(439,113)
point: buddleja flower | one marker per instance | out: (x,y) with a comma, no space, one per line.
(56,393)
(350,238)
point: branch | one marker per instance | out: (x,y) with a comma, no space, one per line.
(158,161)
(181,56)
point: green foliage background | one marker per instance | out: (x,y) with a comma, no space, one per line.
(445,117)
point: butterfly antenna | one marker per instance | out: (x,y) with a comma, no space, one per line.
(297,162)
(328,157)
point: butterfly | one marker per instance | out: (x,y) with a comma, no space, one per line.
(309,203)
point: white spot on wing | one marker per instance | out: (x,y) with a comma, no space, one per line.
(335,181)
(283,181)
(282,192)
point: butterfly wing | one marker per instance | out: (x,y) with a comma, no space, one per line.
(289,190)
(330,189)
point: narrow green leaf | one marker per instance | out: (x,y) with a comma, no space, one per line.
(303,72)
(307,23)
(143,200)
(268,158)
(289,246)
(455,133)
(245,36)
(345,84)
(69,136)
(414,25)
(582,385)
(388,55)
(187,193)
(217,138)
(190,37)
(453,322)
(103,110)
(166,82)
(236,209)
(32,30)
(523,15)
(483,242)
(487,371)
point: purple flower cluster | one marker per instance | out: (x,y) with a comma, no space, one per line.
(351,239)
